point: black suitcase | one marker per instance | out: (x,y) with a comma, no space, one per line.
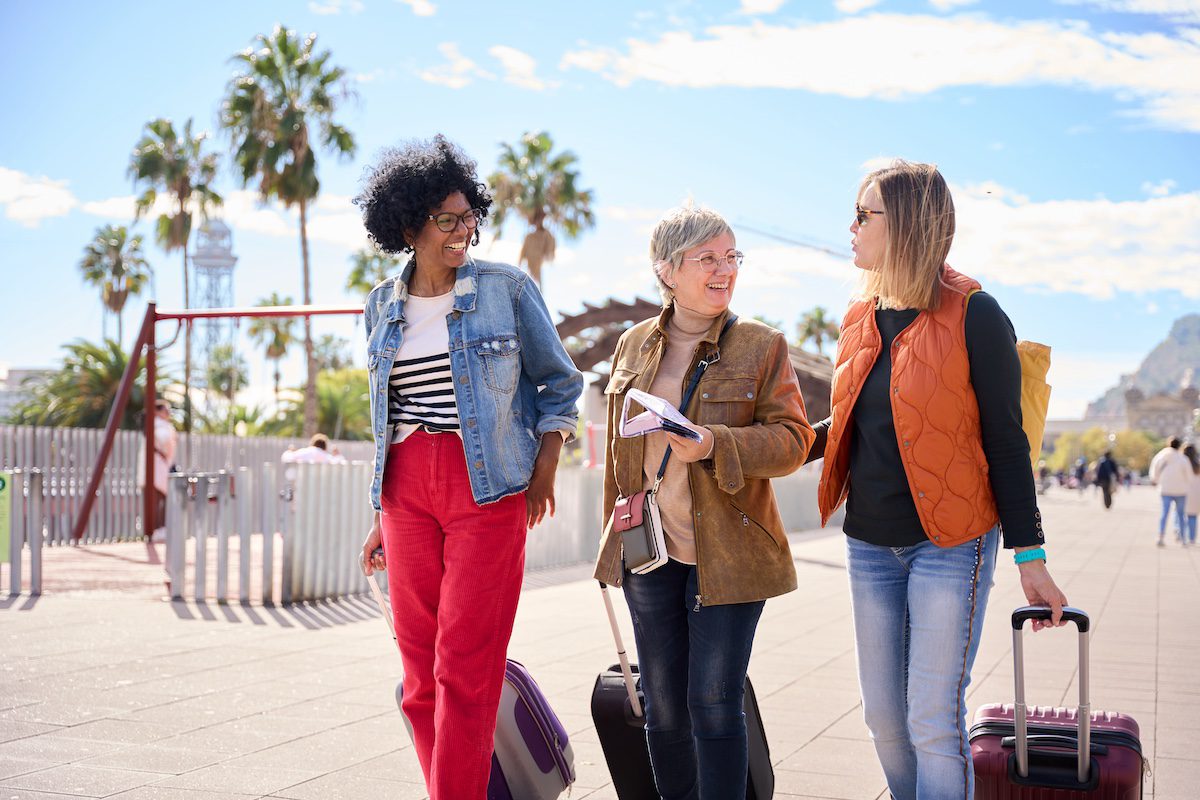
(621,729)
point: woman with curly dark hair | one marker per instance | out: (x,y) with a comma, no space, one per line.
(472,397)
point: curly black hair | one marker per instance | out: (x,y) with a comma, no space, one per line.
(408,182)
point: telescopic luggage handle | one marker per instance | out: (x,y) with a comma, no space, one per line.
(634,703)
(1083,714)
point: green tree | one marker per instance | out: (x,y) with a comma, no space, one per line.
(163,161)
(225,418)
(814,325)
(281,100)
(277,333)
(225,373)
(367,269)
(344,405)
(1135,449)
(541,189)
(114,263)
(80,394)
(333,353)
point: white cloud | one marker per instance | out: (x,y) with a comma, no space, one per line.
(1094,248)
(459,70)
(1182,10)
(949,5)
(1160,189)
(372,76)
(519,68)
(29,199)
(332,7)
(755,7)
(854,6)
(422,8)
(891,56)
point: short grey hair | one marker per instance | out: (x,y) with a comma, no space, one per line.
(678,231)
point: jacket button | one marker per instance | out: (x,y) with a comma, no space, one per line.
(470,423)
(749,395)
(906,442)
(462,379)
(920,494)
(478,465)
(705,395)
(730,484)
(937,538)
(896,390)
(455,314)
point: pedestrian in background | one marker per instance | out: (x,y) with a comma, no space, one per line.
(1192,506)
(1107,474)
(1172,471)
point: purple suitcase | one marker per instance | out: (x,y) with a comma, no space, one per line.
(532,759)
(1024,753)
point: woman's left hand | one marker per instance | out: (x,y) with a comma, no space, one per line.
(1041,590)
(689,450)
(539,496)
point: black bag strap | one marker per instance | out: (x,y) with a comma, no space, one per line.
(691,389)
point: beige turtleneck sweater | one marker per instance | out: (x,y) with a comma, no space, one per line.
(684,331)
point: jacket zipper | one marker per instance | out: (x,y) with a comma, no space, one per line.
(747,520)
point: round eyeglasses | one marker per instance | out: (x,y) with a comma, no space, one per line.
(448,221)
(710,261)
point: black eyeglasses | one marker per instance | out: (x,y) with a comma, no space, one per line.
(448,221)
(863,214)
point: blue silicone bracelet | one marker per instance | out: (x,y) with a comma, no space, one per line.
(1030,555)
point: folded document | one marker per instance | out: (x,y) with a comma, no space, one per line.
(658,416)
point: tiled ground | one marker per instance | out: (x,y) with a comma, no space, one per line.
(111,693)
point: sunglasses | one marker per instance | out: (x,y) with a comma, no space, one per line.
(863,214)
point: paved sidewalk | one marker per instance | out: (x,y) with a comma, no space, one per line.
(109,693)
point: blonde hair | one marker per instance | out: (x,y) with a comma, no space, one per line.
(920,229)
(678,231)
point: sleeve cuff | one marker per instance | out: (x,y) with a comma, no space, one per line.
(727,466)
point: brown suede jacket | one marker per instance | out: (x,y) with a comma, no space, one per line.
(751,402)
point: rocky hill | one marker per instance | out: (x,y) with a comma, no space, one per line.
(1175,359)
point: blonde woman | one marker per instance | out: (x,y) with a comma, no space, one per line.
(925,441)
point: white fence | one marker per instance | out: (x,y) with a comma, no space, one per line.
(26,513)
(67,457)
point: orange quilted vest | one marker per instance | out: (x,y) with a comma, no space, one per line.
(934,410)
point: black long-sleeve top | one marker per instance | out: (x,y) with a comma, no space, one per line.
(880,508)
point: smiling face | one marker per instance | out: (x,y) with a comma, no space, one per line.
(870,238)
(707,293)
(436,250)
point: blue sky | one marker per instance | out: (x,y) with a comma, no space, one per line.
(1069,131)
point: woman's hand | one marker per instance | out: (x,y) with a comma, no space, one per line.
(370,560)
(539,496)
(1040,590)
(689,450)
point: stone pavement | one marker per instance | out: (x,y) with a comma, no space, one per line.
(107,693)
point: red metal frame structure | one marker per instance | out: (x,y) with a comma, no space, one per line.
(145,344)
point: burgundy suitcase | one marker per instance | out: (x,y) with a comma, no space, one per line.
(1034,753)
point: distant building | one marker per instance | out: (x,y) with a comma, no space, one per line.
(1164,414)
(13,389)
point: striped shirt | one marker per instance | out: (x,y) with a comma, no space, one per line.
(420,385)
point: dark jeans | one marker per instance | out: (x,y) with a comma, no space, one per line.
(693,662)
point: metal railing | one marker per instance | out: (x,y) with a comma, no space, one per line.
(26,528)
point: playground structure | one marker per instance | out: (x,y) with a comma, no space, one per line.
(146,346)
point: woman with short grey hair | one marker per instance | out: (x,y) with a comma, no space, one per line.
(694,617)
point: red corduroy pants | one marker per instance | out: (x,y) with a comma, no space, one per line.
(454,573)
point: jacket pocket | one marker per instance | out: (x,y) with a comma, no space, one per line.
(728,401)
(748,523)
(620,381)
(500,359)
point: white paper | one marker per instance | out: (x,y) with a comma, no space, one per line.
(651,420)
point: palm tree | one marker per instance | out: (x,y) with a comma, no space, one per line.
(113,262)
(541,189)
(345,407)
(282,89)
(81,392)
(816,326)
(162,160)
(333,353)
(225,373)
(275,332)
(368,269)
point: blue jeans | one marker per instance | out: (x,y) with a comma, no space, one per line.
(1191,521)
(693,663)
(918,614)
(1167,500)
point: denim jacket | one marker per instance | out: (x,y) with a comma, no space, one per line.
(513,380)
